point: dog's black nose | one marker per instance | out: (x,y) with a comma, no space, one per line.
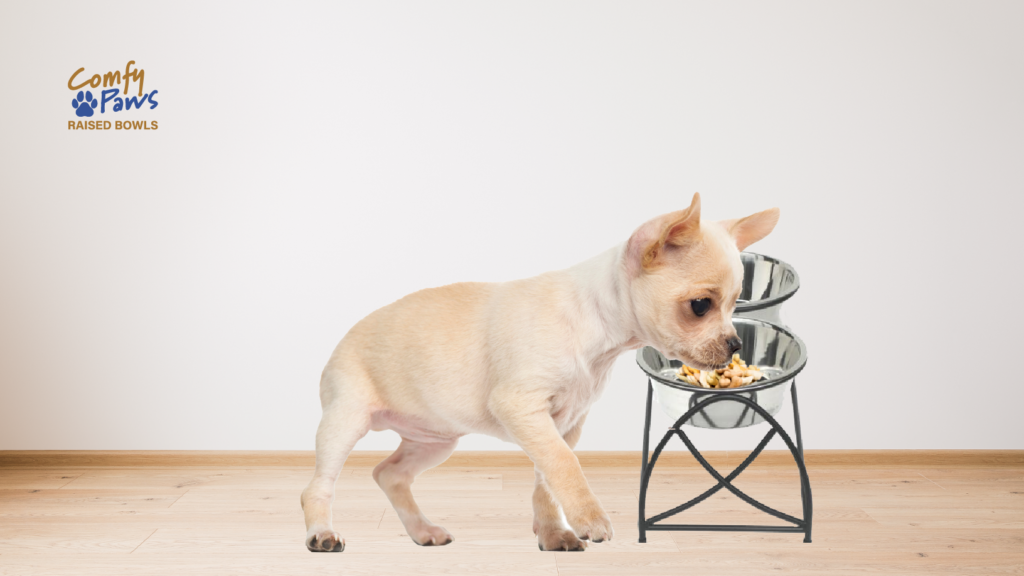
(734,345)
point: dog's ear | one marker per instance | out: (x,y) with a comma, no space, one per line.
(647,244)
(748,230)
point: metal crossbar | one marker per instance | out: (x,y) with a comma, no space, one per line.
(721,484)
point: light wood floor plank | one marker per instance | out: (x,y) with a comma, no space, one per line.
(35,479)
(782,561)
(425,562)
(675,455)
(247,520)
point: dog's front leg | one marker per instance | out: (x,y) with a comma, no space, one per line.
(548,525)
(536,433)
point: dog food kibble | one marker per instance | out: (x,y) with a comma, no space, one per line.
(736,374)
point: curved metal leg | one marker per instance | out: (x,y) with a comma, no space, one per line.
(805,495)
(796,419)
(800,525)
(643,467)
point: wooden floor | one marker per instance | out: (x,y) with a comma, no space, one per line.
(197,520)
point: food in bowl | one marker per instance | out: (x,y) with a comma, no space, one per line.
(736,374)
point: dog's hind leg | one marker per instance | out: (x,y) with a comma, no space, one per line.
(395,475)
(548,523)
(346,419)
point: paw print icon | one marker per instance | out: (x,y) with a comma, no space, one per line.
(83,104)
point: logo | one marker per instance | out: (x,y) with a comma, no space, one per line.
(112,88)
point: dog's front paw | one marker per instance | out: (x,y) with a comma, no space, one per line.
(431,535)
(591,523)
(554,537)
(325,541)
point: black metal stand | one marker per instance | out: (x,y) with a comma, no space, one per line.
(799,525)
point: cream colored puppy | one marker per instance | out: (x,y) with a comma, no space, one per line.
(523,361)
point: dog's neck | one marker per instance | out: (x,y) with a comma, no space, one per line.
(603,286)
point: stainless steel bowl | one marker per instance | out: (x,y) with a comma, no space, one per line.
(767,283)
(779,354)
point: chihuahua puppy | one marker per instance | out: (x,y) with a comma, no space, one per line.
(524,361)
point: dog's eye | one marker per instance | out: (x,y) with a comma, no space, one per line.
(700,306)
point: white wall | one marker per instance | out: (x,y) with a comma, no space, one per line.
(182,289)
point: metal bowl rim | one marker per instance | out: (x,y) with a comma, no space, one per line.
(761,304)
(801,362)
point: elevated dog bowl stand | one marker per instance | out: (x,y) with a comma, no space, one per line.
(698,405)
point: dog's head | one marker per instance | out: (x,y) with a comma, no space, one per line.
(685,276)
